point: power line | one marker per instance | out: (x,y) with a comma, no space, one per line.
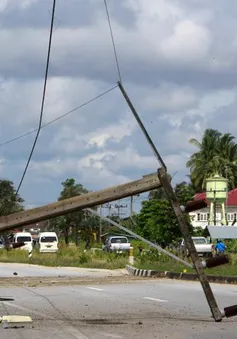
(113,41)
(43,97)
(59,117)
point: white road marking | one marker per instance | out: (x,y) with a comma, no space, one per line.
(25,309)
(154,299)
(75,332)
(95,288)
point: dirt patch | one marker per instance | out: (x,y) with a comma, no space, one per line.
(60,281)
(103,322)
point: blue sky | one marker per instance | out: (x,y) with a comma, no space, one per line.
(178,61)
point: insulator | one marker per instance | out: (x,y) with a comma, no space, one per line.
(217,261)
(230,311)
(195,205)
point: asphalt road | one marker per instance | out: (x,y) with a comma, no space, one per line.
(26,270)
(137,309)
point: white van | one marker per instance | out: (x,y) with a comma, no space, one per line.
(48,242)
(26,238)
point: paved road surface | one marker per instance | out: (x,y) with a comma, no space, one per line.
(137,309)
(25,270)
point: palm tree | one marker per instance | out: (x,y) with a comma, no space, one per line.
(217,154)
(227,158)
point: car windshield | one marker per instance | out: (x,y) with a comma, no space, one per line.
(23,239)
(48,239)
(119,240)
(199,241)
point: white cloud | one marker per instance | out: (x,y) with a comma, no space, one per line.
(115,132)
(188,43)
(169,97)
(3,5)
(178,65)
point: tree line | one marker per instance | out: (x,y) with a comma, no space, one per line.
(216,153)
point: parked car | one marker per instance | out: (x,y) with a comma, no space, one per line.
(47,242)
(24,237)
(117,244)
(202,247)
(2,244)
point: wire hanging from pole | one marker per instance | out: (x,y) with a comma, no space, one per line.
(43,97)
(59,117)
(113,41)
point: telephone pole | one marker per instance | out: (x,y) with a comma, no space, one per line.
(100,232)
(131,206)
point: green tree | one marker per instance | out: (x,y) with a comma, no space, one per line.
(184,192)
(157,222)
(158,193)
(217,153)
(70,220)
(10,202)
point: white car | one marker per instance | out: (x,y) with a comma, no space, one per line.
(116,244)
(202,247)
(47,242)
(26,238)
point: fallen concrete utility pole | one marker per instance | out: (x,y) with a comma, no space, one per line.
(159,248)
(62,207)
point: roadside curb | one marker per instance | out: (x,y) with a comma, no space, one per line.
(180,276)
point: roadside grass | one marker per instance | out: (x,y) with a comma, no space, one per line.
(79,257)
(67,257)
(167,264)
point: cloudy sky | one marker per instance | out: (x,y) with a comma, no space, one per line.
(178,62)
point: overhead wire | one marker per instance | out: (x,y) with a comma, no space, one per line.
(59,117)
(43,97)
(113,40)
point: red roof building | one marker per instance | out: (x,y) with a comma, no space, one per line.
(200,218)
(231,201)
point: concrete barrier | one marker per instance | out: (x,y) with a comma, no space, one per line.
(180,276)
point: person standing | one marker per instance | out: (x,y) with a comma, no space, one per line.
(220,247)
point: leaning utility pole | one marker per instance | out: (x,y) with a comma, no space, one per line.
(163,177)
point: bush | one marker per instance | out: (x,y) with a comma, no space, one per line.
(153,255)
(231,245)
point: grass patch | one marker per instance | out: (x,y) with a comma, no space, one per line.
(67,257)
(166,264)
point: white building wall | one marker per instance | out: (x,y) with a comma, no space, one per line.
(200,218)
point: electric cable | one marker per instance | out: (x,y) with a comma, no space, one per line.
(59,117)
(43,97)
(113,41)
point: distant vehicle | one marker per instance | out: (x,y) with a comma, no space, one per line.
(117,244)
(47,242)
(202,247)
(24,237)
(2,244)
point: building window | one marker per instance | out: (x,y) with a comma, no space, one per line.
(231,216)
